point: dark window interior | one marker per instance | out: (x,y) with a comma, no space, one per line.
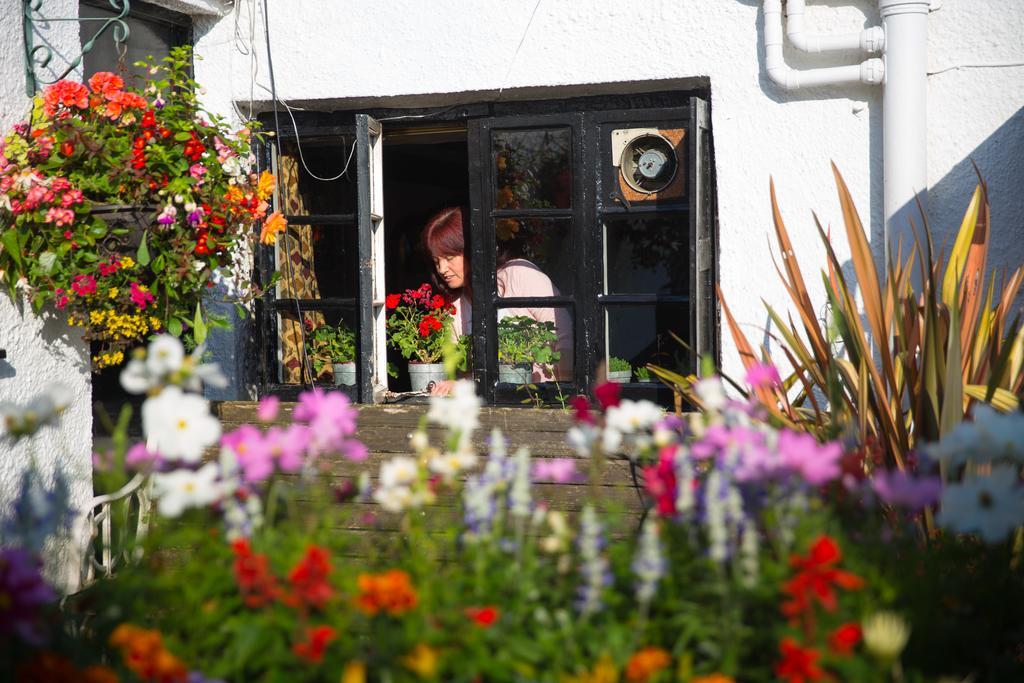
(153,31)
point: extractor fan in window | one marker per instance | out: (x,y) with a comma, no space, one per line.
(650,163)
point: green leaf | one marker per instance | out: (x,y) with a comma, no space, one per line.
(199,326)
(11,245)
(174,326)
(142,255)
(47,260)
(182,136)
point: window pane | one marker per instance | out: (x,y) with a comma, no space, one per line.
(534,256)
(647,255)
(317,262)
(323,339)
(302,193)
(532,169)
(640,335)
(535,344)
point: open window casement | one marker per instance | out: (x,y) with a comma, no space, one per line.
(373,314)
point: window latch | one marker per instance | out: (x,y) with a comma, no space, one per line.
(617,196)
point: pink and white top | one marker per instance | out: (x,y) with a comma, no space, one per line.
(520,277)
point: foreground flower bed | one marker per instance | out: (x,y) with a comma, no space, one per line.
(764,554)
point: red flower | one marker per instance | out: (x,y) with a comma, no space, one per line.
(149,119)
(309,579)
(660,481)
(798,665)
(393,300)
(437,302)
(817,578)
(83,285)
(428,325)
(252,571)
(67,148)
(845,638)
(581,409)
(484,617)
(607,394)
(313,648)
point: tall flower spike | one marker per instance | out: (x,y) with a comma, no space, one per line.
(595,572)
(520,500)
(649,563)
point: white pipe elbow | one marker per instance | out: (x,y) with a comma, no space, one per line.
(869,41)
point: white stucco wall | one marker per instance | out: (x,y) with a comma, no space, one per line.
(42,351)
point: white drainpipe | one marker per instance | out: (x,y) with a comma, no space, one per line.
(904,37)
(904,116)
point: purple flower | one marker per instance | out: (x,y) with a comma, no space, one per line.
(268,408)
(22,593)
(817,463)
(763,375)
(197,677)
(899,488)
(250,449)
(168,215)
(195,217)
(559,470)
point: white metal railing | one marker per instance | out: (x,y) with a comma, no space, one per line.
(102,559)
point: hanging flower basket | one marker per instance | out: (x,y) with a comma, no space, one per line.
(121,206)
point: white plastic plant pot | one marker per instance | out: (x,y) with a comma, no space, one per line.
(422,374)
(620,376)
(520,373)
(345,374)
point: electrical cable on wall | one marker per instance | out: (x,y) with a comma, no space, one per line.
(307,372)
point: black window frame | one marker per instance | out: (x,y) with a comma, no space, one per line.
(180,24)
(587,302)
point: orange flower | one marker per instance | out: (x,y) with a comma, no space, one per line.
(64,93)
(98,674)
(143,652)
(265,185)
(274,224)
(646,664)
(355,672)
(234,195)
(390,592)
(106,84)
(713,678)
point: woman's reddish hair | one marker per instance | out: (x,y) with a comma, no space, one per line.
(443,233)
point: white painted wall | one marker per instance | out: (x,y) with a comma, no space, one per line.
(43,351)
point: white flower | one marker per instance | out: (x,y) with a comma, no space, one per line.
(991,436)
(992,505)
(179,425)
(581,438)
(19,420)
(399,471)
(459,412)
(136,377)
(419,440)
(181,489)
(631,417)
(885,635)
(232,167)
(165,355)
(400,498)
(711,393)
(451,465)
(519,500)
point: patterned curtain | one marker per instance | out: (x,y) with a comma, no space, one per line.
(295,262)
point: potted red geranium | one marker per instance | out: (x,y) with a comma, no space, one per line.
(418,324)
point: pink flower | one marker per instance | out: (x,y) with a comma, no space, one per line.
(581,410)
(817,463)
(60,217)
(140,296)
(267,410)
(197,171)
(251,452)
(83,285)
(560,470)
(763,375)
(61,301)
(287,445)
(139,458)
(168,215)
(71,197)
(331,418)
(899,488)
(59,184)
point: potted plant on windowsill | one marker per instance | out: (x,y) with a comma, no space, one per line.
(336,346)
(619,370)
(522,343)
(419,322)
(643,375)
(121,206)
